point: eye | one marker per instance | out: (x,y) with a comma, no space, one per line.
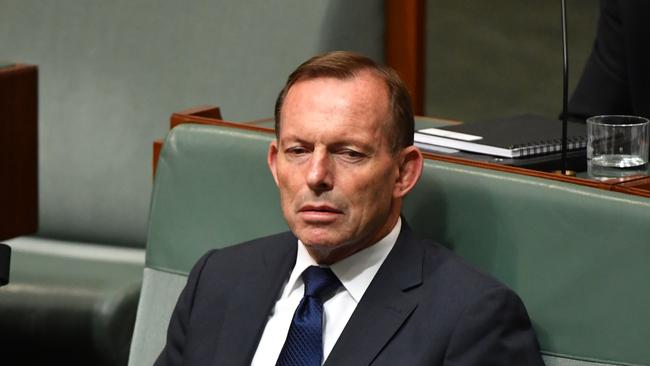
(352,155)
(296,151)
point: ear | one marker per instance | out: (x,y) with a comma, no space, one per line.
(410,170)
(271,159)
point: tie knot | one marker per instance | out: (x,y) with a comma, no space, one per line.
(319,282)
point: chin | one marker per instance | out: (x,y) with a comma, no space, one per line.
(318,238)
(316,241)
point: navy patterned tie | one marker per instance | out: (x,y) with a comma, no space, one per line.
(304,343)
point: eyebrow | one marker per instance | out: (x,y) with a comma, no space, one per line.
(368,148)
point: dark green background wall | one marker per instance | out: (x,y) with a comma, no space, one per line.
(501,57)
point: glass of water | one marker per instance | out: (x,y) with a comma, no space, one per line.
(617,145)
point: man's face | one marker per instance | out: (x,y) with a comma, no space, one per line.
(339,182)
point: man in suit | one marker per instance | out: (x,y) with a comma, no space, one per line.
(350,284)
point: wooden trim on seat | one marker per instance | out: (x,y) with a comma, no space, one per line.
(639,187)
(207,111)
(516,170)
(205,115)
(177,119)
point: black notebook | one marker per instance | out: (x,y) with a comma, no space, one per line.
(512,137)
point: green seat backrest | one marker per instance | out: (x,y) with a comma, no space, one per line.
(577,256)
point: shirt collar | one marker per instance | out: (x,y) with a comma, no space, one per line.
(355,272)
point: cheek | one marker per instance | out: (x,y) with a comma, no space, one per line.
(290,188)
(287,181)
(375,194)
(287,196)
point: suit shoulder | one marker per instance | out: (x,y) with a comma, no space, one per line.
(445,265)
(452,288)
(250,253)
(276,241)
(217,268)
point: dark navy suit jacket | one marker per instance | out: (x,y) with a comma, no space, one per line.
(425,306)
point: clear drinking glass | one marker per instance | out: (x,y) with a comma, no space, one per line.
(617,145)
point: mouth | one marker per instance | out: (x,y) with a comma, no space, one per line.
(319,213)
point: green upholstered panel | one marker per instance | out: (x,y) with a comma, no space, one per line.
(212,189)
(160,291)
(577,256)
(561,361)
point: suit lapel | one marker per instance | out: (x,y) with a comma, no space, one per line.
(251,302)
(385,306)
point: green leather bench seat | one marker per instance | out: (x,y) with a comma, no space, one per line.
(73,303)
(577,256)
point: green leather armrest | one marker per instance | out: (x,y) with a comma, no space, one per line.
(73,303)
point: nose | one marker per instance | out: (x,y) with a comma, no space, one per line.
(319,176)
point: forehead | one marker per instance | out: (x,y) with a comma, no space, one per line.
(361,101)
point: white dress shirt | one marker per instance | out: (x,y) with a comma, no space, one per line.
(355,273)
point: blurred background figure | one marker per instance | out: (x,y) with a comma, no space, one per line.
(616,77)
